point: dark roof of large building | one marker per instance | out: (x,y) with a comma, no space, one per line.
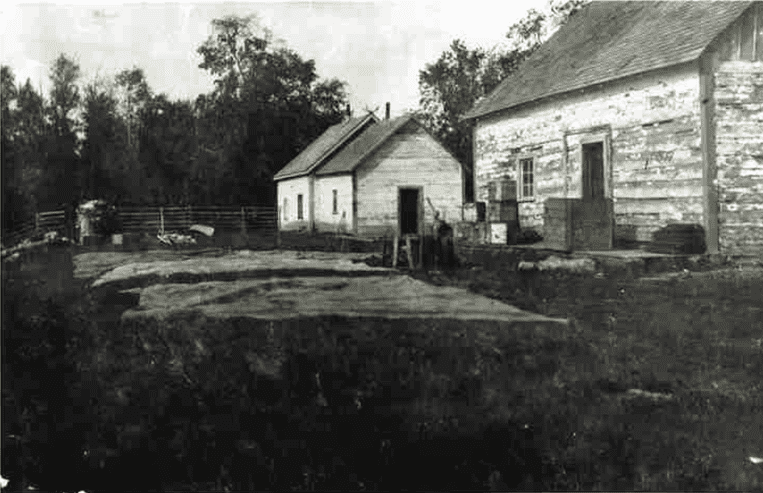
(608,40)
(323,147)
(356,151)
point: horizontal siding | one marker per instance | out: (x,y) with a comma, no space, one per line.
(653,123)
(411,158)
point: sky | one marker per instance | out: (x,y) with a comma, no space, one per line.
(377,47)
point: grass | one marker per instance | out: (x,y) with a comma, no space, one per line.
(463,405)
(695,337)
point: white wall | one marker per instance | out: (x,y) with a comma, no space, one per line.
(412,158)
(325,218)
(653,123)
(289,189)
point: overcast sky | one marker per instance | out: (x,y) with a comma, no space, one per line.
(377,47)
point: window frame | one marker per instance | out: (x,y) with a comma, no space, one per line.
(300,207)
(334,201)
(521,197)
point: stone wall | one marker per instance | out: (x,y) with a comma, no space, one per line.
(739,156)
(653,165)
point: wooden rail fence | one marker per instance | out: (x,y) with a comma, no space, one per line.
(180,218)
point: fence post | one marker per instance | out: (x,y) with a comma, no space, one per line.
(161,219)
(278,226)
(36,222)
(243,220)
(187,216)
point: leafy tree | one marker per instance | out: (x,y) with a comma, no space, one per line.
(61,177)
(134,94)
(167,148)
(106,148)
(64,95)
(268,104)
(450,86)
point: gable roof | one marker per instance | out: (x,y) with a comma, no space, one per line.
(356,151)
(608,40)
(321,148)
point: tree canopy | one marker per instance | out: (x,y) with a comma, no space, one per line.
(112,137)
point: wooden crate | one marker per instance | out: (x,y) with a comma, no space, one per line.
(499,233)
(501,212)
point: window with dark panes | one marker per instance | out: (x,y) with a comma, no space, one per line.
(299,207)
(335,207)
(526,179)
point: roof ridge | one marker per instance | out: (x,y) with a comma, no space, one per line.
(341,139)
(591,47)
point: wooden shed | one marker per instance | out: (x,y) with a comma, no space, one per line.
(388,178)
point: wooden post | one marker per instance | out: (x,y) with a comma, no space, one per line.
(36,221)
(161,219)
(408,250)
(187,216)
(243,220)
(278,226)
(395,246)
(420,239)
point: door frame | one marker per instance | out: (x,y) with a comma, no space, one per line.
(605,138)
(419,208)
(606,143)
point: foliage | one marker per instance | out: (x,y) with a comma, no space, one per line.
(461,76)
(268,104)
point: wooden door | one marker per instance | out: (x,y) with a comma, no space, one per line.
(408,207)
(593,171)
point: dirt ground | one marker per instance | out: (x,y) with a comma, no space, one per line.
(287,284)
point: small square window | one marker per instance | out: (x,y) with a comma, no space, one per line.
(335,198)
(300,216)
(526,180)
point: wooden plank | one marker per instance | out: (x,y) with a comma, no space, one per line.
(408,252)
(395,247)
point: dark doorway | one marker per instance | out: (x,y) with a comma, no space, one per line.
(409,211)
(593,171)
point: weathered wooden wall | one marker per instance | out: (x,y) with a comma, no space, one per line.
(325,218)
(289,189)
(411,158)
(739,156)
(655,162)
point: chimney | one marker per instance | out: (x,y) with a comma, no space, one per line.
(386,111)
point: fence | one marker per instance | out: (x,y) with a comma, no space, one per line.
(43,222)
(180,218)
(260,219)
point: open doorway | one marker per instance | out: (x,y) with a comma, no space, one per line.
(408,210)
(593,171)
(594,217)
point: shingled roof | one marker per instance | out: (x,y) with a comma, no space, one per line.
(324,146)
(608,40)
(356,151)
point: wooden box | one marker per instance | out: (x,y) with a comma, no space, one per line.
(499,233)
(501,212)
